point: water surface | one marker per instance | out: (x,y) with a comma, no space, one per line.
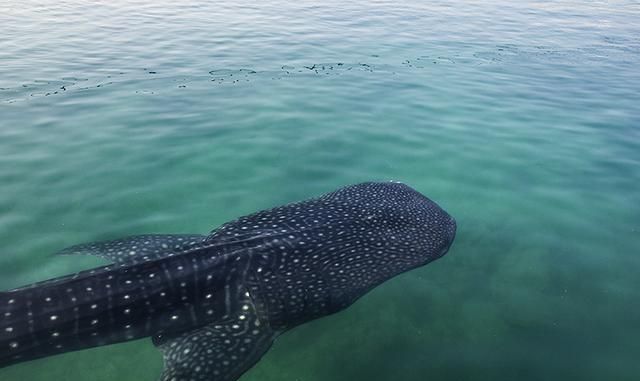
(521,120)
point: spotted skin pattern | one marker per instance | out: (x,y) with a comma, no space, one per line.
(214,304)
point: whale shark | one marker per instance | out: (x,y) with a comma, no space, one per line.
(214,304)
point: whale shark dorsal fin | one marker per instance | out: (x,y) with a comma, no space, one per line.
(136,248)
(220,351)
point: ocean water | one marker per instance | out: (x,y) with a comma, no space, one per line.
(521,119)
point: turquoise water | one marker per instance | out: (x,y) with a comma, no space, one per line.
(521,120)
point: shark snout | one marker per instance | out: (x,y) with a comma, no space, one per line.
(450,230)
(452,226)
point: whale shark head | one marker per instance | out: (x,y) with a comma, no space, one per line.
(331,250)
(407,225)
(375,231)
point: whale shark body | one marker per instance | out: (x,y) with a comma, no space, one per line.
(214,304)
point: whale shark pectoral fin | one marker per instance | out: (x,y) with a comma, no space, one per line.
(221,351)
(137,248)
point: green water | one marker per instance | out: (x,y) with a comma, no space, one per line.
(521,120)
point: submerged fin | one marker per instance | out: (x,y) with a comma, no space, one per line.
(220,351)
(137,248)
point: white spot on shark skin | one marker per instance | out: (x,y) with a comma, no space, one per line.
(53,317)
(9,329)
